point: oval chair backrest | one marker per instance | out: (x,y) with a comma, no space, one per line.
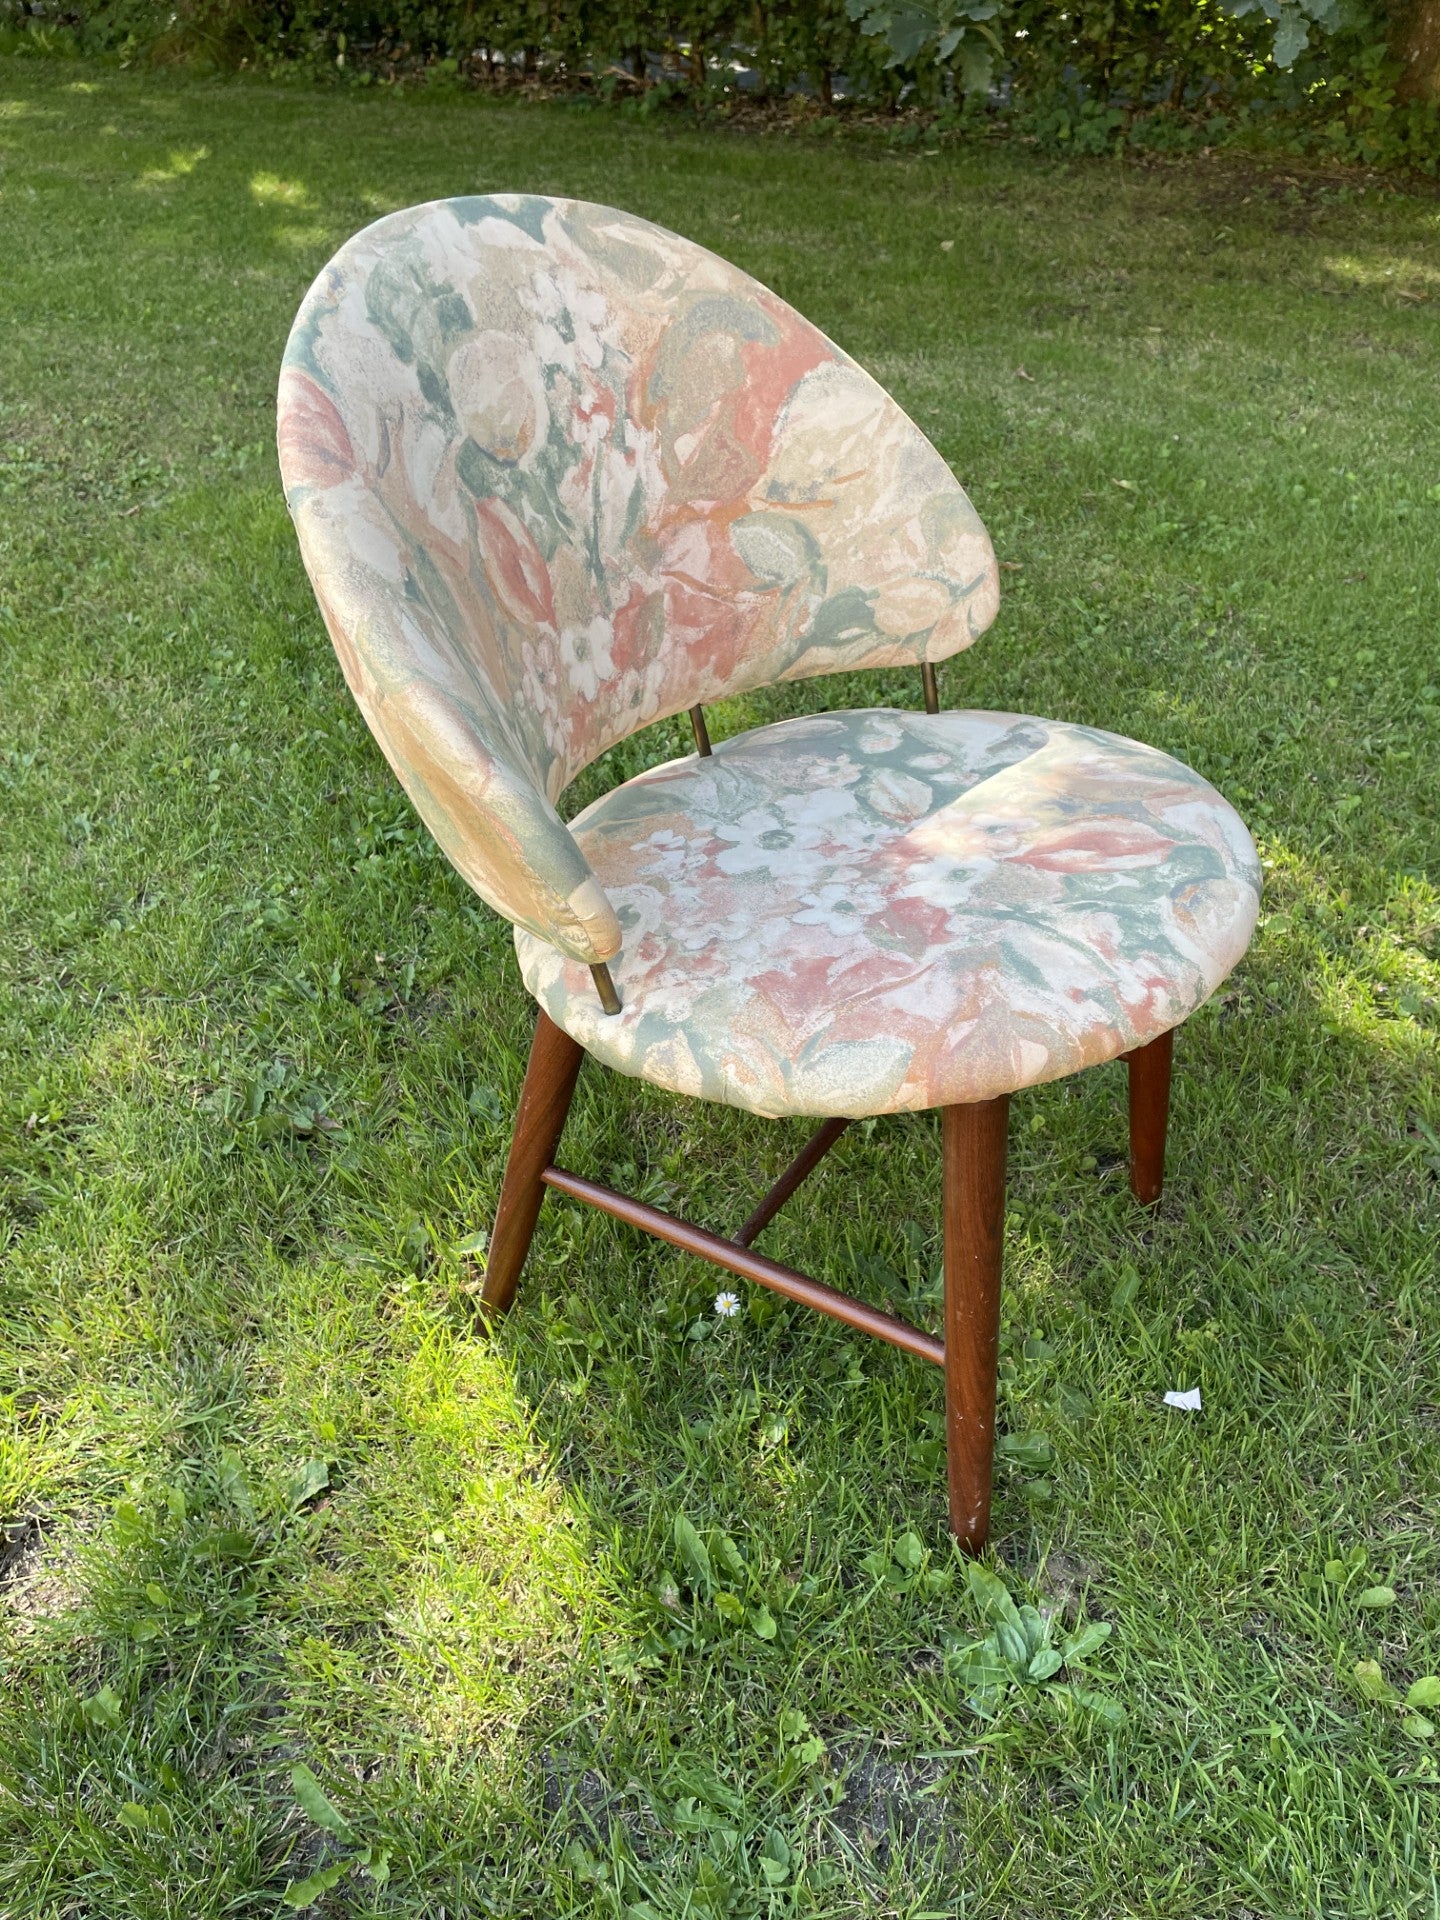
(557,473)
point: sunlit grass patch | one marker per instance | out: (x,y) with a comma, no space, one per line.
(269,190)
(179,165)
(1390,273)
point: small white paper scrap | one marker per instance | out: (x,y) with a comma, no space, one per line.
(1188,1402)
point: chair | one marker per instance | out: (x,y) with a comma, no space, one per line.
(557,473)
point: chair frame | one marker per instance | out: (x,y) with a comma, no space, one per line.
(973,1154)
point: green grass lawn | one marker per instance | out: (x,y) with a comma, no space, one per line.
(274,1498)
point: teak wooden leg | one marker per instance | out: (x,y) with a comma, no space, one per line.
(544,1102)
(973,1146)
(1149,1113)
(973,1140)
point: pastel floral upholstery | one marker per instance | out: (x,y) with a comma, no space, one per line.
(557,473)
(867,912)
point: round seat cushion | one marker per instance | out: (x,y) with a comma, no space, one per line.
(876,911)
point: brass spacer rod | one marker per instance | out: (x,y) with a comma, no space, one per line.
(931,686)
(702,732)
(605,987)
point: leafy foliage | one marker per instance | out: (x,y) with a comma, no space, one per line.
(946,32)
(725,1591)
(1019,1654)
(1292,20)
(1154,75)
(324,1814)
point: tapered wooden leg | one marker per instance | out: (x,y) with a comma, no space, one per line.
(1149,1114)
(544,1102)
(973,1168)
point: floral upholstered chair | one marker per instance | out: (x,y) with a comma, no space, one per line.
(557,473)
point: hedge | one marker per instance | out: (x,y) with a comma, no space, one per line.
(1354,79)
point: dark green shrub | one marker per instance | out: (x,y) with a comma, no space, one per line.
(1322,76)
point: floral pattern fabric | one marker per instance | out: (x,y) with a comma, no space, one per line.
(871,912)
(557,473)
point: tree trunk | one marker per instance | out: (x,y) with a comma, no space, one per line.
(1416,41)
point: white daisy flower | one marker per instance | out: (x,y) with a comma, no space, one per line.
(727,1305)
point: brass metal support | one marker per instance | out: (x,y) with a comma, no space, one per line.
(702,732)
(605,987)
(931,686)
